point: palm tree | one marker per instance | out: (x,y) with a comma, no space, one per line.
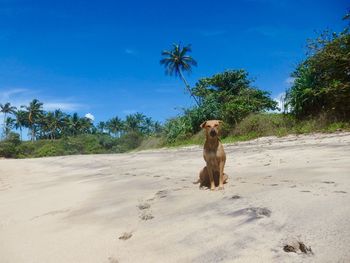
(115,126)
(176,61)
(9,124)
(7,109)
(21,120)
(34,111)
(101,126)
(73,124)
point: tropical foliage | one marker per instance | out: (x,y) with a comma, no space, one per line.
(322,80)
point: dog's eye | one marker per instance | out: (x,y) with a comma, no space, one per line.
(207,126)
(216,125)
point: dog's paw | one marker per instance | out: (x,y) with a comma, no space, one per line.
(221,188)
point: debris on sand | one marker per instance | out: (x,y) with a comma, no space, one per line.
(296,247)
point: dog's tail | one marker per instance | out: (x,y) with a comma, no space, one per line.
(197,182)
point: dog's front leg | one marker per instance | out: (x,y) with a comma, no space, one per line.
(221,178)
(211,177)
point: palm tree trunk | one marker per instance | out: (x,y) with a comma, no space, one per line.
(188,87)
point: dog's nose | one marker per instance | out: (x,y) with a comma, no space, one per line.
(212,133)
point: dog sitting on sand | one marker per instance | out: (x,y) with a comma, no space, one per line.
(212,174)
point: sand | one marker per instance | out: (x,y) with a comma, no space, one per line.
(143,207)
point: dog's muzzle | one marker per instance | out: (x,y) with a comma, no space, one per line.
(212,133)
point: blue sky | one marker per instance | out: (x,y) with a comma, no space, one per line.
(102,57)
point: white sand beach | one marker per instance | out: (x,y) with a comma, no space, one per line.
(143,207)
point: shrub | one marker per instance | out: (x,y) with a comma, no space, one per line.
(265,124)
(9,147)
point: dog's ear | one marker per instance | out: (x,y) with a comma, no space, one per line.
(221,122)
(203,125)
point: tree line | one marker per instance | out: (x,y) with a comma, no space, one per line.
(321,88)
(57,124)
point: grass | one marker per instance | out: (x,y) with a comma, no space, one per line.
(252,127)
(269,124)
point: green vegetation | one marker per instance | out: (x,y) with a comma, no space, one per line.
(322,80)
(318,101)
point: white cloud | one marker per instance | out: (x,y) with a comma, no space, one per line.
(64,106)
(7,94)
(20,96)
(289,81)
(130,51)
(90,116)
(280,101)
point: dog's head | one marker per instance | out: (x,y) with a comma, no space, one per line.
(212,127)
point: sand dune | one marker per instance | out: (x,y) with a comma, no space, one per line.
(143,207)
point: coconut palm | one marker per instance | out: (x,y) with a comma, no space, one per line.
(9,124)
(115,126)
(34,111)
(73,124)
(176,61)
(101,127)
(7,109)
(21,120)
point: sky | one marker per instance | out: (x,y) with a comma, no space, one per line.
(102,57)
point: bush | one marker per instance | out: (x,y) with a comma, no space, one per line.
(50,149)
(265,124)
(9,147)
(128,141)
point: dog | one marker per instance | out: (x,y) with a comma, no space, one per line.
(212,174)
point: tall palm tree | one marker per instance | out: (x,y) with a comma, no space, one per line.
(21,120)
(115,126)
(176,61)
(35,111)
(101,126)
(73,124)
(9,124)
(7,109)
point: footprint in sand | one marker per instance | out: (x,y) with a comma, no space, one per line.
(253,213)
(146,216)
(143,206)
(146,213)
(162,193)
(112,260)
(125,236)
(340,192)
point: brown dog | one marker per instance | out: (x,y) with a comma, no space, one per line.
(213,173)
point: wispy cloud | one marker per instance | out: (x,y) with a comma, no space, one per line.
(130,51)
(65,106)
(7,94)
(280,101)
(21,96)
(289,81)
